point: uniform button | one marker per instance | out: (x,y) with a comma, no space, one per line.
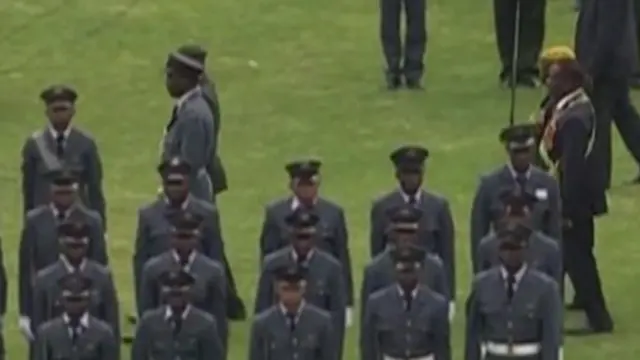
(409,323)
(294,341)
(295,355)
(510,325)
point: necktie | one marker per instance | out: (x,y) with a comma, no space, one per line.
(511,285)
(408,299)
(174,117)
(60,144)
(176,322)
(291,319)
(521,180)
(76,331)
(61,216)
(412,200)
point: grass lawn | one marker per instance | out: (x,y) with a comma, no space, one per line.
(316,90)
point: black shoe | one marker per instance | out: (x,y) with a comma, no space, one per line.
(588,331)
(574,306)
(635,180)
(236,310)
(634,82)
(394,82)
(414,84)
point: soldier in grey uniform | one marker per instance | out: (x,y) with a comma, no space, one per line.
(406,320)
(61,145)
(154,228)
(333,238)
(74,243)
(542,252)
(177,330)
(209,292)
(39,243)
(514,312)
(3,301)
(292,328)
(325,283)
(436,230)
(76,334)
(518,173)
(190,133)
(215,168)
(403,232)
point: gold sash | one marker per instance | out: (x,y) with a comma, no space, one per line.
(546,145)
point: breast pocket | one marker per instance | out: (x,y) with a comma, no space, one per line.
(158,242)
(89,352)
(310,342)
(188,349)
(319,294)
(387,325)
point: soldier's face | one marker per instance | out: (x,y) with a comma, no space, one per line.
(512,258)
(407,278)
(303,243)
(60,113)
(410,181)
(183,243)
(63,196)
(176,190)
(305,190)
(74,250)
(522,159)
(75,306)
(290,294)
(404,240)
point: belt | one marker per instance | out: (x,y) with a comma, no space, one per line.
(426,357)
(516,350)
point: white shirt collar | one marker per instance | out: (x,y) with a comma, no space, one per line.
(514,173)
(190,260)
(183,206)
(56,212)
(295,203)
(65,133)
(406,196)
(518,275)
(168,312)
(414,292)
(182,99)
(70,268)
(84,319)
(567,98)
(294,256)
(284,310)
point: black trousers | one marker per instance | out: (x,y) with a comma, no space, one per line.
(611,101)
(636,11)
(531,39)
(580,264)
(235,306)
(410,62)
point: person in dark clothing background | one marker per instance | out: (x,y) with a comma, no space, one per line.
(606,46)
(567,147)
(532,30)
(408,66)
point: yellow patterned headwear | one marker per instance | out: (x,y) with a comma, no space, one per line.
(551,55)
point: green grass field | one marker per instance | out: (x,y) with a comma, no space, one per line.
(317,90)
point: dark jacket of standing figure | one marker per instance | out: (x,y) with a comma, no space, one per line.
(39,246)
(39,161)
(332,227)
(215,168)
(96,342)
(605,38)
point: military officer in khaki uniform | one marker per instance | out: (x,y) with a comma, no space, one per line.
(406,320)
(514,312)
(292,328)
(177,330)
(76,334)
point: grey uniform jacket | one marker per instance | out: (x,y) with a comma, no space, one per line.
(198,338)
(380,273)
(216,169)
(534,315)
(312,339)
(191,136)
(97,342)
(436,228)
(104,297)
(389,329)
(3,283)
(39,247)
(39,161)
(209,292)
(543,254)
(333,230)
(487,207)
(325,285)
(605,38)
(153,233)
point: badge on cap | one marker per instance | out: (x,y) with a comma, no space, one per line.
(541,194)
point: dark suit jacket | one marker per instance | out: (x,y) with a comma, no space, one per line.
(216,169)
(81,154)
(605,38)
(97,342)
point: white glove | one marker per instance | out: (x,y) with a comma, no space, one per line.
(452,310)
(106,236)
(348,317)
(24,323)
(560,354)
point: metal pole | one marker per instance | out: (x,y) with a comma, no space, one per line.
(514,64)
